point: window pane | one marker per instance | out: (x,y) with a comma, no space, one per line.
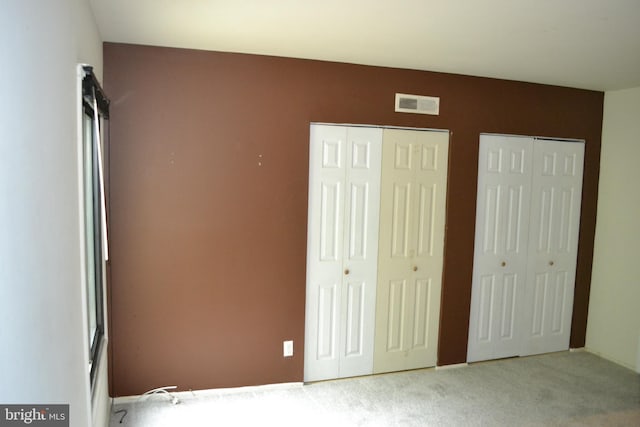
(94,210)
(90,231)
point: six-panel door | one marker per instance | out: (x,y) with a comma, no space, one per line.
(553,245)
(342,250)
(412,212)
(500,253)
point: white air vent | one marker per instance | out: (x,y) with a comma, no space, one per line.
(417,104)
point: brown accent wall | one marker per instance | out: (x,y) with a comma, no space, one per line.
(209,164)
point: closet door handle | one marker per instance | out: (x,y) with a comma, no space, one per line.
(550,262)
(415,268)
(346,272)
(503,264)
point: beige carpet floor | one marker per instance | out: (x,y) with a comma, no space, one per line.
(559,389)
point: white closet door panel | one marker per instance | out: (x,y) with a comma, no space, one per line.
(401,219)
(330,220)
(411,240)
(327,168)
(431,188)
(395,316)
(499,269)
(396,252)
(420,339)
(360,260)
(356,346)
(327,312)
(555,217)
(354,318)
(342,250)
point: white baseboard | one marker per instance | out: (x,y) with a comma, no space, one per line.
(612,359)
(454,366)
(208,392)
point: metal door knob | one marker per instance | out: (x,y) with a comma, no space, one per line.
(346,271)
(415,268)
(550,262)
(503,263)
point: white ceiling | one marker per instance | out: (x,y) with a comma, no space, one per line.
(591,44)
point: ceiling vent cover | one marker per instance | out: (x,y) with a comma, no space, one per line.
(417,104)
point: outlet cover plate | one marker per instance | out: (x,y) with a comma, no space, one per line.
(287,348)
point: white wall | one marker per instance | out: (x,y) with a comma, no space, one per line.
(613,328)
(42,333)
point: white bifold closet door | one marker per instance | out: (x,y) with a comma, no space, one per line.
(500,252)
(342,250)
(553,245)
(412,216)
(527,219)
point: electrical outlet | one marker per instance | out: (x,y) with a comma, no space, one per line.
(287,348)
